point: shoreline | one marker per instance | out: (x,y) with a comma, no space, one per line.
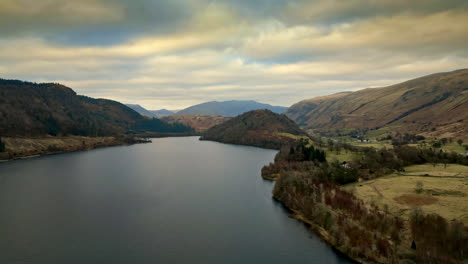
(239,144)
(112,141)
(322,233)
(27,148)
(318,230)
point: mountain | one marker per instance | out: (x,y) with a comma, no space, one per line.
(162,112)
(435,105)
(142,111)
(261,128)
(30,109)
(229,108)
(198,122)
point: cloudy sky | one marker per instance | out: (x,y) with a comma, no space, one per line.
(176,53)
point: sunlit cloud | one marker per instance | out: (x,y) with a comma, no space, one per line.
(220,50)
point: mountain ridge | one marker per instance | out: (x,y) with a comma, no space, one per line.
(229,108)
(141,110)
(435,105)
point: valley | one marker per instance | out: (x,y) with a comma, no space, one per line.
(367,186)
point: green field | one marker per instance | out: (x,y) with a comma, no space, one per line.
(341,156)
(434,189)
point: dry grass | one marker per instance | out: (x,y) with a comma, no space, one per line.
(377,145)
(415,199)
(444,191)
(452,170)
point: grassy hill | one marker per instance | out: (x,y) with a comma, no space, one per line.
(434,106)
(261,128)
(198,122)
(229,108)
(30,109)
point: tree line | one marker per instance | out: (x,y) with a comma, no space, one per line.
(308,184)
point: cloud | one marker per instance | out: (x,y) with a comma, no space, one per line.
(441,33)
(172,54)
(28,16)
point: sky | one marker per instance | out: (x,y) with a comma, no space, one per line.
(176,53)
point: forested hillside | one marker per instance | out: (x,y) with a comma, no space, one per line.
(31,109)
(261,128)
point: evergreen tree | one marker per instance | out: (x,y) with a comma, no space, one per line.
(2,145)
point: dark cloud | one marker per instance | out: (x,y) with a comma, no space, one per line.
(173,53)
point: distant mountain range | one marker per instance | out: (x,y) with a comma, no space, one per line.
(142,111)
(261,128)
(162,113)
(229,108)
(434,106)
(30,109)
(150,113)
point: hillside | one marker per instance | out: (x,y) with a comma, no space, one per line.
(229,108)
(434,105)
(30,109)
(261,128)
(199,123)
(142,111)
(162,112)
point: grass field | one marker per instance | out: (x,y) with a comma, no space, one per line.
(454,147)
(377,145)
(291,136)
(341,156)
(433,189)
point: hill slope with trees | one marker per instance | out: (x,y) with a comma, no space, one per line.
(434,106)
(261,128)
(31,109)
(142,111)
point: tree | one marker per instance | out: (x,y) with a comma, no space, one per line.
(460,142)
(444,141)
(2,145)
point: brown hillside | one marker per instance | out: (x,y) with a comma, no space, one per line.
(438,101)
(198,122)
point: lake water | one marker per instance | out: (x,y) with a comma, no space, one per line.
(176,200)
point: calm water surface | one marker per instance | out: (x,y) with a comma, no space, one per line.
(177,200)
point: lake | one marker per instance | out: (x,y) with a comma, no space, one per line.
(176,200)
